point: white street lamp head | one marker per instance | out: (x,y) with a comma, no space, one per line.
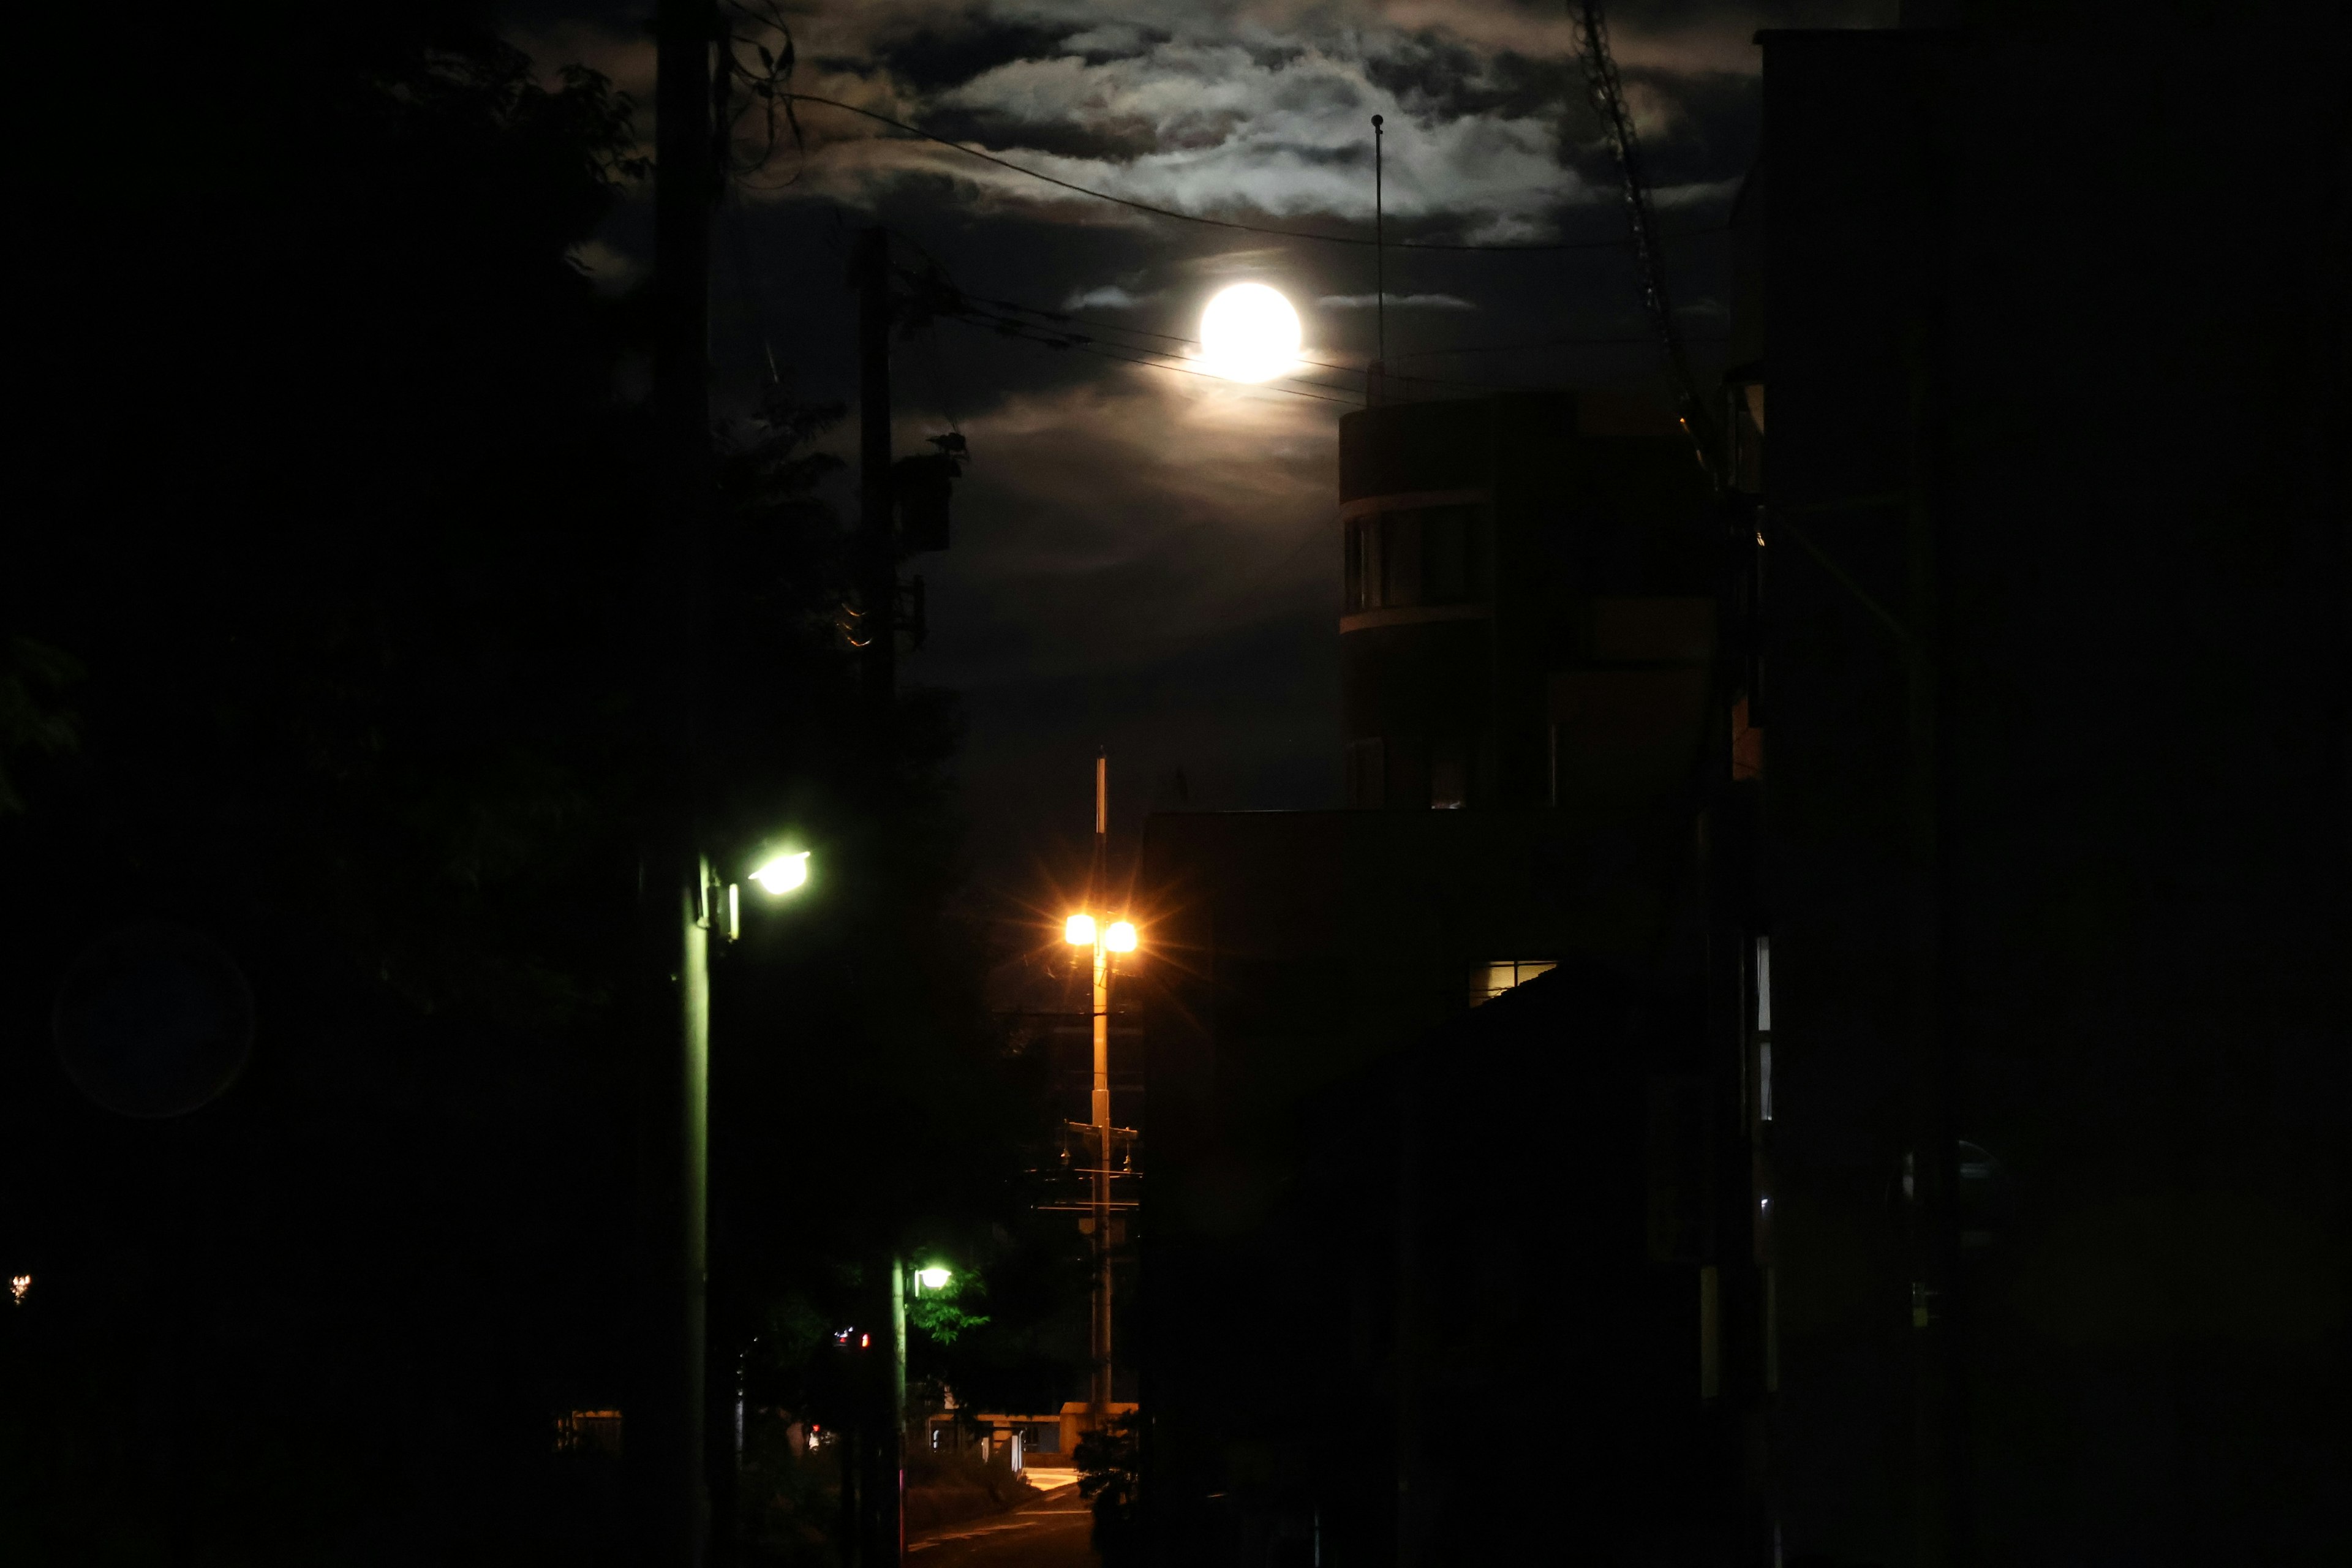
(1078,930)
(783,873)
(1120,938)
(1249,333)
(935,1278)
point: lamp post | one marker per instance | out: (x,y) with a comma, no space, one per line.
(713,905)
(1083,929)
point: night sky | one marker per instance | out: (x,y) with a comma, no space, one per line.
(1146,558)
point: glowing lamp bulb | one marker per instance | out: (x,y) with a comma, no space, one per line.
(1249,333)
(1078,930)
(783,873)
(1120,938)
(934,1277)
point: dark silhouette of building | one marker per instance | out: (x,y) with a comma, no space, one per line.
(1434,1109)
(2044,331)
(1483,540)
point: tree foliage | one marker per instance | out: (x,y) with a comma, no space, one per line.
(328,635)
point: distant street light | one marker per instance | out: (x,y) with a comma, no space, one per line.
(935,1278)
(1082,930)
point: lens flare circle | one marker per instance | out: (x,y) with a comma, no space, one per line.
(1249,333)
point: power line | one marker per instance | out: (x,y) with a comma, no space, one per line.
(1524,343)
(1077,340)
(1546,343)
(917,131)
(1164,360)
(1002,327)
(1101,325)
(956,306)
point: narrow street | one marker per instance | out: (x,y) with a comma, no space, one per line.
(1052,1532)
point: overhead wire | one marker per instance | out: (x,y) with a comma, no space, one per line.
(1067,340)
(917,130)
(1542,344)
(1160,359)
(768,86)
(952,303)
(1076,340)
(1568,342)
(1164,360)
(1001,327)
(1101,325)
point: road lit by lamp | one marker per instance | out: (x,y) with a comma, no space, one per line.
(1249,333)
(1078,930)
(934,1277)
(1120,938)
(783,873)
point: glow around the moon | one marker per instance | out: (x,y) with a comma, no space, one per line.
(1249,333)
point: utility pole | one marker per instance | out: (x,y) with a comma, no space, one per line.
(884,1484)
(877,557)
(888,1546)
(685,188)
(1940,1502)
(1098,1335)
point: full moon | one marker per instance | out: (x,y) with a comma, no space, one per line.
(1249,333)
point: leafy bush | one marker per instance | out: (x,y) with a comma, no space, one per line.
(1110,1474)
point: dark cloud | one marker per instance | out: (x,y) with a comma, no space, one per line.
(1439,78)
(949,50)
(1713,132)
(1274,58)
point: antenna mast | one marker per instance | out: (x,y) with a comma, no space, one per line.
(1380,244)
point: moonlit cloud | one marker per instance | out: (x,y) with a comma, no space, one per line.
(1395,302)
(1106,297)
(1255,109)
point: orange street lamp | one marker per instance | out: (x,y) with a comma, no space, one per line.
(1083,929)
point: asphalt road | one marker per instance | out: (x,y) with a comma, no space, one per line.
(1051,1532)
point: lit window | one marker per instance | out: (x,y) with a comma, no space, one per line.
(1764,1028)
(581,1429)
(1488,981)
(1359,553)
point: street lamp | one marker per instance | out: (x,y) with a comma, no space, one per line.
(783,873)
(1119,936)
(935,1278)
(711,904)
